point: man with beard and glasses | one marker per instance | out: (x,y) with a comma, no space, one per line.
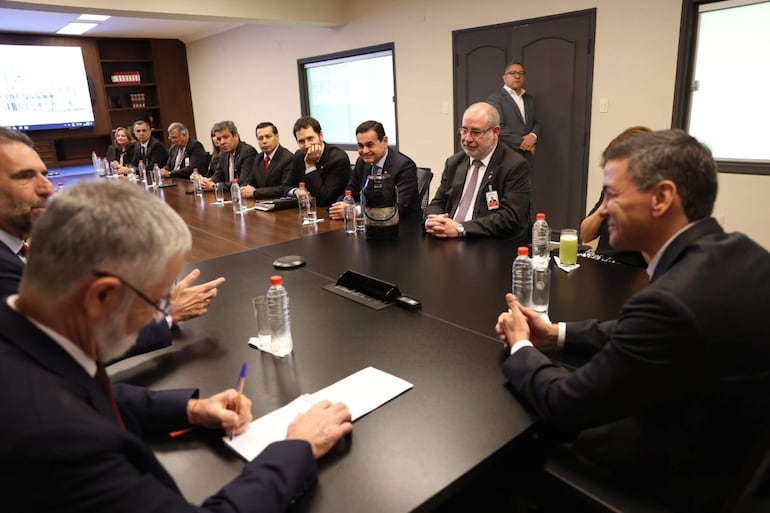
(485,189)
(91,282)
(24,195)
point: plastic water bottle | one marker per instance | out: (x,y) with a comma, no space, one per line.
(541,237)
(235,196)
(349,211)
(306,205)
(277,298)
(142,172)
(95,162)
(157,178)
(522,278)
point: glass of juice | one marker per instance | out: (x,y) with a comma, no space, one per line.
(568,245)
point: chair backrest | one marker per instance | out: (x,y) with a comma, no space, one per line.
(424,177)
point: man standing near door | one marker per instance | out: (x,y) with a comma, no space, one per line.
(519,127)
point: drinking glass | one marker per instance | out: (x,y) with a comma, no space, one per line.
(541,289)
(219,192)
(568,244)
(263,326)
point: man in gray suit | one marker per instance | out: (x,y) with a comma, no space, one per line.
(519,127)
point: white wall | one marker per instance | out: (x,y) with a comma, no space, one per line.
(249,75)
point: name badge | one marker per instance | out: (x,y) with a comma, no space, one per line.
(493,203)
(187,162)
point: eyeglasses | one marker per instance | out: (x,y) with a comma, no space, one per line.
(474,133)
(515,73)
(163,306)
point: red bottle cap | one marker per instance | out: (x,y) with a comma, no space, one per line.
(277,279)
(523,251)
(540,216)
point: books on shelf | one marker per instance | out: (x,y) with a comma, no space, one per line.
(125,77)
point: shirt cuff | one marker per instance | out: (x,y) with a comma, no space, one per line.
(519,344)
(533,133)
(310,170)
(562,335)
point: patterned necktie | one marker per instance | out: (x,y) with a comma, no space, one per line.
(104,383)
(232,166)
(179,155)
(468,194)
(267,163)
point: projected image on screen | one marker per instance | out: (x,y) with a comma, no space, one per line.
(343,92)
(44,87)
(729,107)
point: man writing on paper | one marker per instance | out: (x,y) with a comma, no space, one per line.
(485,189)
(24,194)
(677,393)
(91,282)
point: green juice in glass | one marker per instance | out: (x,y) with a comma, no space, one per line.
(568,245)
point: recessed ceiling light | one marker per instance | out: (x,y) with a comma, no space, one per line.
(75,29)
(94,17)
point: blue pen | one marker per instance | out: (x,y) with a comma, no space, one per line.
(239,386)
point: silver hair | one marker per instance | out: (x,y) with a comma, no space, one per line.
(493,117)
(179,127)
(106,226)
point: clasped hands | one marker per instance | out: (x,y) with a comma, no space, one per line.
(441,225)
(521,323)
(321,426)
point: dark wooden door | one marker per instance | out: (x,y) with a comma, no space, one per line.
(557,52)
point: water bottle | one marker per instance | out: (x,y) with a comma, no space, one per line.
(142,172)
(157,178)
(235,196)
(61,187)
(522,278)
(349,211)
(95,162)
(541,237)
(307,211)
(278,317)
(105,168)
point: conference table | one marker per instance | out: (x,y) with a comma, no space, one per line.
(414,452)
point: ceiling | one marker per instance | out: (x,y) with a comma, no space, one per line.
(48,22)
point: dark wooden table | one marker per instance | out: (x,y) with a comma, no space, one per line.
(416,451)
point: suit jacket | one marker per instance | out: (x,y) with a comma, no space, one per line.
(245,154)
(678,390)
(64,436)
(512,126)
(327,182)
(156,153)
(270,184)
(195,151)
(114,153)
(156,335)
(508,174)
(404,173)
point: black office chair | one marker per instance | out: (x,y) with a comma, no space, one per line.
(599,491)
(424,177)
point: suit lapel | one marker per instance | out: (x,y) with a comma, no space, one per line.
(507,97)
(678,246)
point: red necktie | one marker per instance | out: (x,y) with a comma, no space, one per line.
(24,251)
(267,163)
(104,383)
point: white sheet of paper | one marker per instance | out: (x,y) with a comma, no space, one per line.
(362,392)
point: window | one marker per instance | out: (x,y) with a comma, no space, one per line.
(344,89)
(721,81)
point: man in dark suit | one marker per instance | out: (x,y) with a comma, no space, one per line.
(677,392)
(185,155)
(86,291)
(485,189)
(271,167)
(235,159)
(324,168)
(374,157)
(147,148)
(24,195)
(519,127)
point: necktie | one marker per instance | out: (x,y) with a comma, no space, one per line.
(104,383)
(143,153)
(24,250)
(179,155)
(232,166)
(376,169)
(267,163)
(469,193)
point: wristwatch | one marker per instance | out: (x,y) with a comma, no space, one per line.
(460,230)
